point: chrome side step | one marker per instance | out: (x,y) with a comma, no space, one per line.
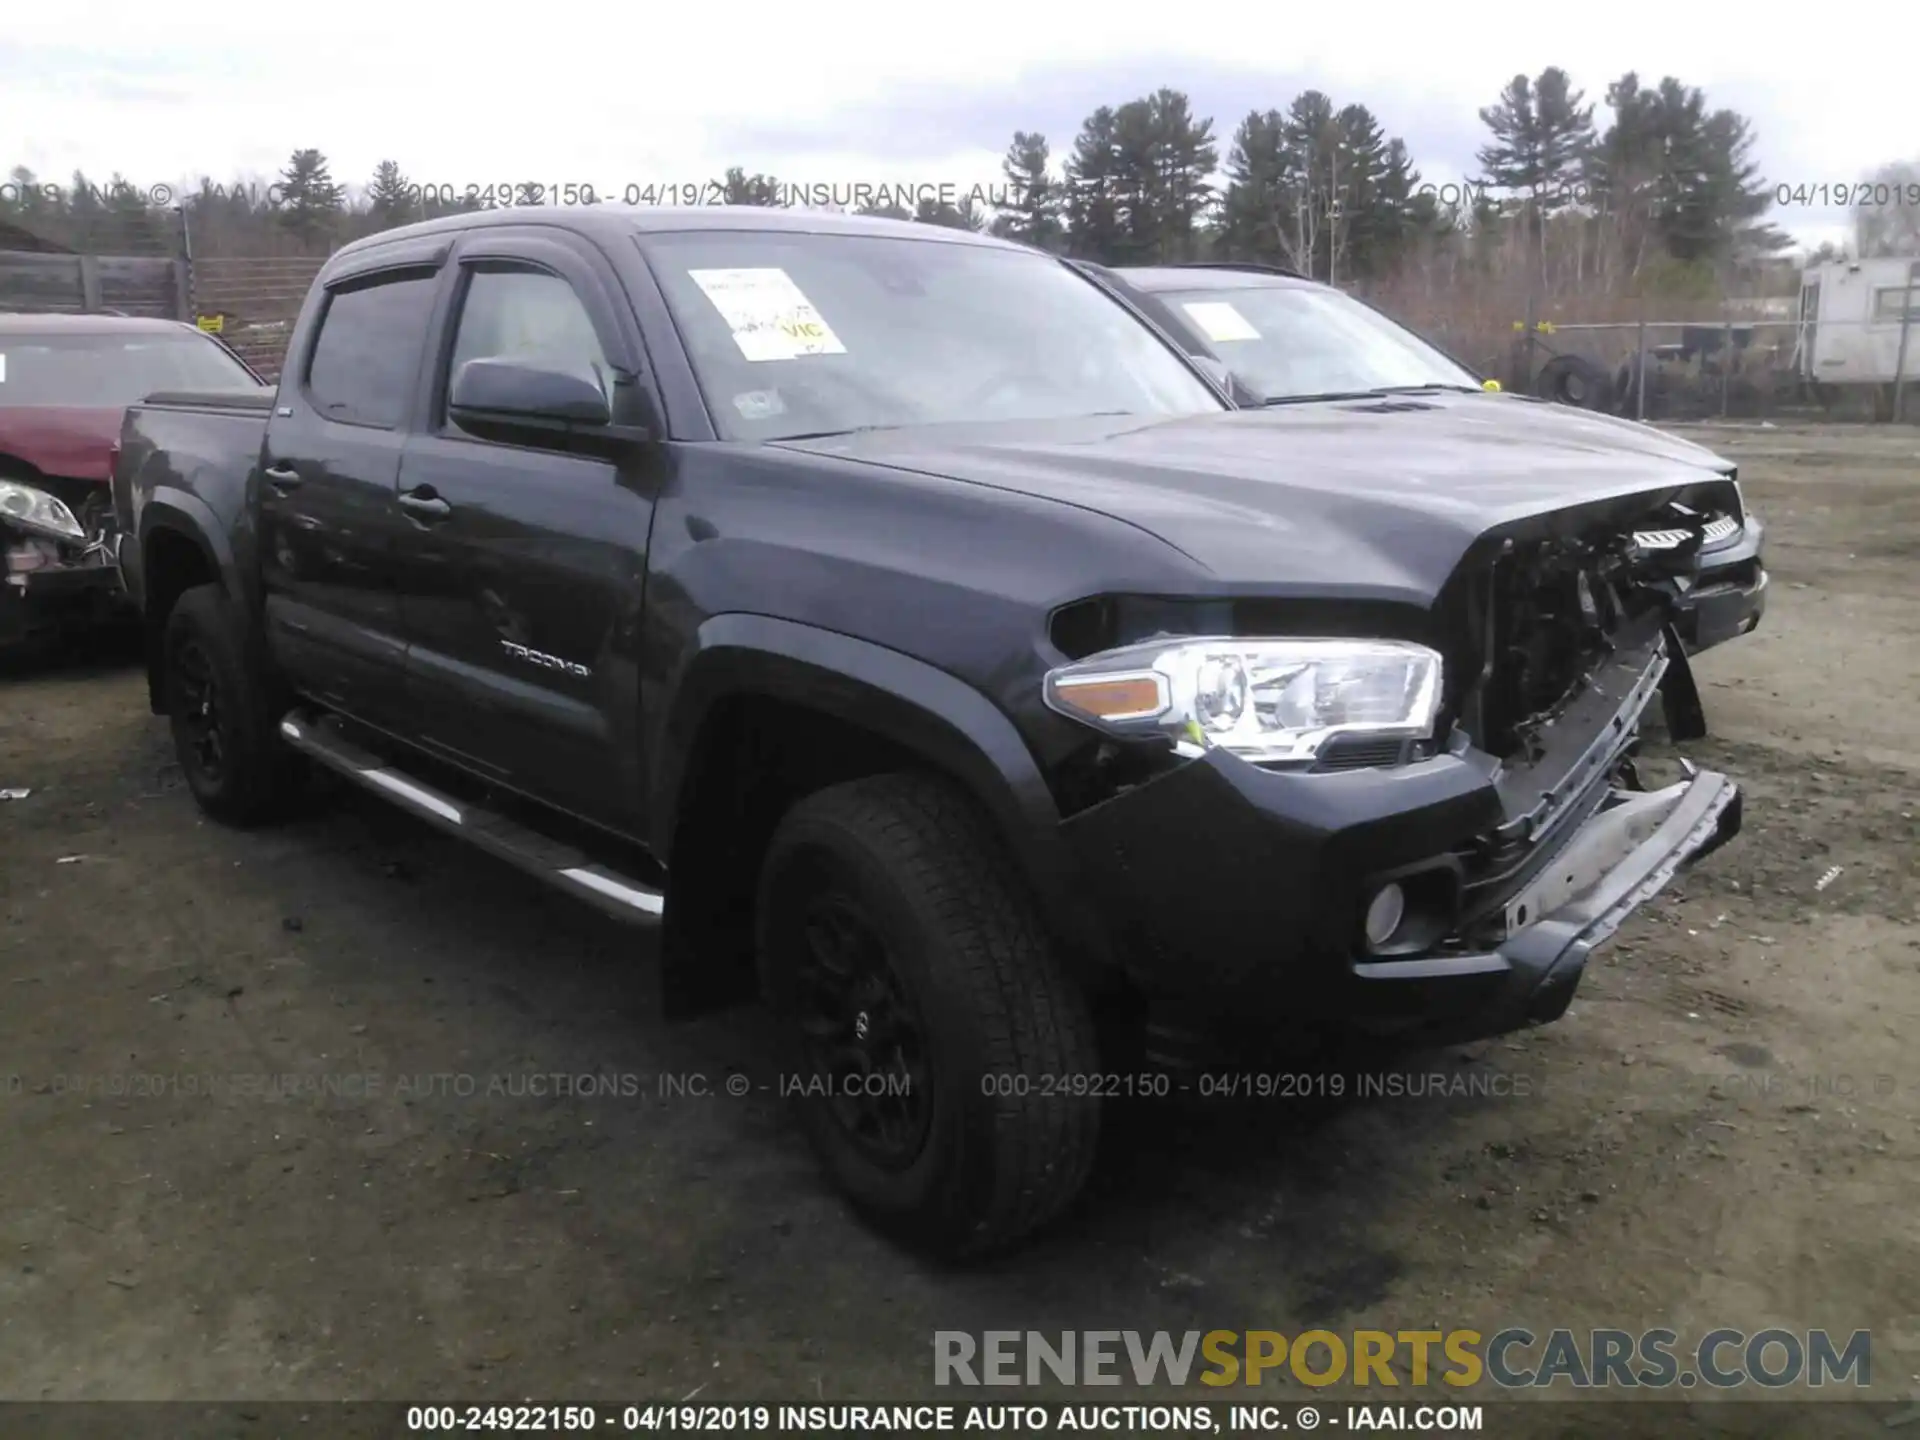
(571,870)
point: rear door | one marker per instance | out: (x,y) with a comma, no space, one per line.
(329,522)
(525,561)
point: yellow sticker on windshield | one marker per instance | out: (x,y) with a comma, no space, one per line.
(1219,321)
(769,316)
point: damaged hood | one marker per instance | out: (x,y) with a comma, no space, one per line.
(72,440)
(1370,499)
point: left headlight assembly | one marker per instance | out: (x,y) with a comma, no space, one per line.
(33,509)
(1266,701)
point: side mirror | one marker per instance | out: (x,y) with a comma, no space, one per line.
(500,388)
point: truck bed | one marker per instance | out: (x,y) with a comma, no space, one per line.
(197,447)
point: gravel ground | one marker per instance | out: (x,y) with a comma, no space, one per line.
(266,1129)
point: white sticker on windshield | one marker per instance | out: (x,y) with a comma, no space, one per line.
(769,316)
(1220,321)
(3,367)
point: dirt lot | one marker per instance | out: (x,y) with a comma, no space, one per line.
(1723,1132)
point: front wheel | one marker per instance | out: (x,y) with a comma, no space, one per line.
(931,1038)
(223,722)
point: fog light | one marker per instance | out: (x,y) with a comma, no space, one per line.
(1384,913)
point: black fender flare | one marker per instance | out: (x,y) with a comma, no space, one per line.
(172,511)
(916,706)
(185,514)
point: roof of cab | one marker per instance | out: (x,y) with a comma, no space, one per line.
(608,224)
(27,323)
(1152,278)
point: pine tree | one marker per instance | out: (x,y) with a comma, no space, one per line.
(1033,212)
(1092,203)
(391,199)
(1311,182)
(310,201)
(85,214)
(1542,134)
(1256,210)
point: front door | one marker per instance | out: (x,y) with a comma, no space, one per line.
(522,583)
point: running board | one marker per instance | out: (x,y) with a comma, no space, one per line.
(571,870)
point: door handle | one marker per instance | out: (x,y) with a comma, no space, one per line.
(424,504)
(282,478)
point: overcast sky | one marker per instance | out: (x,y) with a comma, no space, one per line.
(632,95)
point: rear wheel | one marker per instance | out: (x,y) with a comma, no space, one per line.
(931,1039)
(224,728)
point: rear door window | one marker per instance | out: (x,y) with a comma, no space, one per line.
(366,358)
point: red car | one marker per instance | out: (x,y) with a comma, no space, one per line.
(65,382)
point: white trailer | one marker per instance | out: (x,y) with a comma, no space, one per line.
(1860,329)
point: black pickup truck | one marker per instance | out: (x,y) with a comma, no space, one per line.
(923,641)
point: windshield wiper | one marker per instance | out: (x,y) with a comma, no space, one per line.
(1378,392)
(1323,396)
(829,434)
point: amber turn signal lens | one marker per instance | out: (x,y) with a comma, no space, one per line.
(1115,697)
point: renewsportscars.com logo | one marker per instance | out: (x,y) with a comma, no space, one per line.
(1513,1358)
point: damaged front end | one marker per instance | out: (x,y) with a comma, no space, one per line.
(58,539)
(1435,881)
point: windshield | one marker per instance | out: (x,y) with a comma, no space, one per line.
(1287,342)
(112,371)
(804,334)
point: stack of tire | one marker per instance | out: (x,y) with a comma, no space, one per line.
(1577,381)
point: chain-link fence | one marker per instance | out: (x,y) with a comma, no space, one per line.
(252,303)
(1733,369)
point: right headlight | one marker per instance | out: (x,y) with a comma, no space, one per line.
(1263,700)
(33,509)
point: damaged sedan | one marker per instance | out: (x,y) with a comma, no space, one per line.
(65,383)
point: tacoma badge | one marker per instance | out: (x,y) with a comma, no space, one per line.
(546,662)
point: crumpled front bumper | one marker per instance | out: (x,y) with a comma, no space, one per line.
(1238,893)
(1602,877)
(68,589)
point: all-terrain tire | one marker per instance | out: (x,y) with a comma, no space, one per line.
(1008,1137)
(212,692)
